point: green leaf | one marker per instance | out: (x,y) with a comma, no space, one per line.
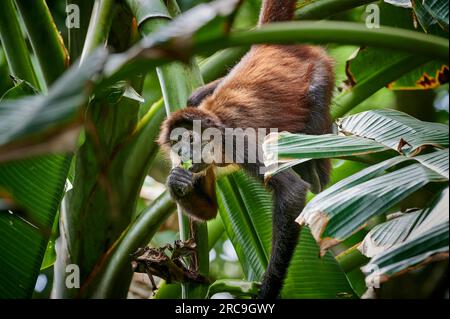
(377,80)
(437,161)
(45,38)
(343,209)
(14,44)
(246,211)
(396,130)
(430,12)
(427,12)
(297,146)
(431,246)
(36,186)
(285,150)
(369,60)
(168,291)
(40,121)
(202,23)
(5,79)
(21,88)
(407,226)
(311,276)
(388,234)
(426,241)
(429,76)
(96,213)
(50,252)
(335,215)
(21,179)
(237,288)
(340,55)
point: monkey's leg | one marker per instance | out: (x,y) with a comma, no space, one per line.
(289,192)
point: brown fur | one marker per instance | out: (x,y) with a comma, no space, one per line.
(276,10)
(269,88)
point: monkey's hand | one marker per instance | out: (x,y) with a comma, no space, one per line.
(180,182)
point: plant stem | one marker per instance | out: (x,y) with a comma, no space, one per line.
(429,46)
(14,44)
(137,235)
(99,26)
(322,9)
(333,32)
(45,39)
(366,88)
(218,65)
(78,35)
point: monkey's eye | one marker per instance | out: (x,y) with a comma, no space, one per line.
(173,141)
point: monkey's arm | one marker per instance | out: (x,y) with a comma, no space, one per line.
(199,95)
(197,197)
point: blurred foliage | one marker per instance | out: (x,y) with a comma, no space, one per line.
(103,214)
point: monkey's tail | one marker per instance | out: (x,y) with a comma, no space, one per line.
(277,10)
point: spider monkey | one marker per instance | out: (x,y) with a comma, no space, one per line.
(288,87)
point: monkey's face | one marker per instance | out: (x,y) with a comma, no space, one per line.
(194,152)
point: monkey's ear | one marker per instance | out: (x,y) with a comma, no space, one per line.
(185,119)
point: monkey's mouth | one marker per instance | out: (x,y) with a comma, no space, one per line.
(199,167)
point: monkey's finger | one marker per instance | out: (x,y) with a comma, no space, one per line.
(185,185)
(179,169)
(184,172)
(177,179)
(182,177)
